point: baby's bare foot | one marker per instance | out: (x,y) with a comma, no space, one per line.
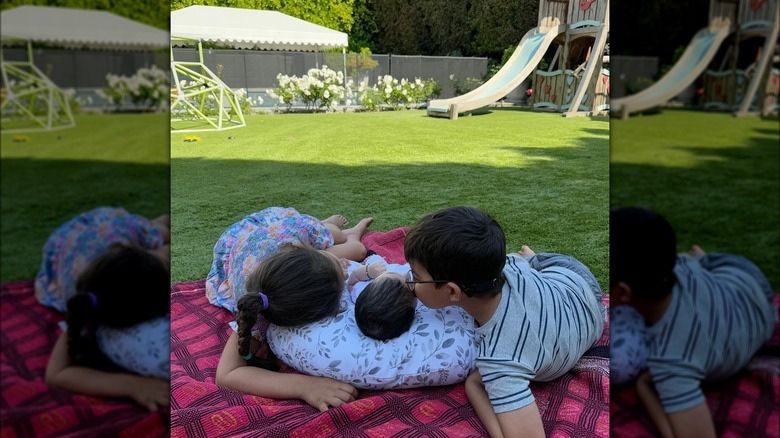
(337,220)
(359,229)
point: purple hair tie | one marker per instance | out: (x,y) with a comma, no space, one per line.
(94,299)
(264,298)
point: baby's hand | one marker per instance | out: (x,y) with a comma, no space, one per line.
(150,392)
(375,269)
(696,251)
(525,250)
(323,393)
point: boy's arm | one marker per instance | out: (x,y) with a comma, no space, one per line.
(523,422)
(475,391)
(694,423)
(149,392)
(320,392)
(649,397)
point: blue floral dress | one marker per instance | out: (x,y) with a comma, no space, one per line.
(73,245)
(250,241)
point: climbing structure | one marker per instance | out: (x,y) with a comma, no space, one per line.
(200,100)
(745,82)
(30,100)
(588,17)
(576,72)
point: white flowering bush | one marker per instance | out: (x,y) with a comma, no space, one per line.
(321,88)
(393,93)
(325,89)
(147,89)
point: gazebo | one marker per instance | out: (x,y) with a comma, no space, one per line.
(196,87)
(32,102)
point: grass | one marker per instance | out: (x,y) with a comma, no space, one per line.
(713,176)
(116,160)
(543,177)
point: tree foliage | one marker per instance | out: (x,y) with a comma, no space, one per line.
(152,12)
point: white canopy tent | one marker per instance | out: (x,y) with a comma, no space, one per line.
(30,94)
(239,29)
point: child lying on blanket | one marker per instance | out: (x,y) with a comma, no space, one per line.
(536,314)
(282,267)
(245,244)
(109,270)
(385,305)
(706,315)
(296,285)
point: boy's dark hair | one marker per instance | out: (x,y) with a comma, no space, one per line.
(123,287)
(385,309)
(302,286)
(460,244)
(643,252)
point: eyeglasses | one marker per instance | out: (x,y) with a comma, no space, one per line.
(410,282)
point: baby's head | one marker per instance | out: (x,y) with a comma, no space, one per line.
(385,308)
(462,245)
(643,253)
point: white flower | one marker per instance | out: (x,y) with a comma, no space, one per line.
(452,77)
(348,102)
(326,94)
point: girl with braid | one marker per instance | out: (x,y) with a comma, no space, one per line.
(281,267)
(108,270)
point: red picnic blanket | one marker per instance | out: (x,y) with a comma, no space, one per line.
(575,405)
(744,405)
(28,332)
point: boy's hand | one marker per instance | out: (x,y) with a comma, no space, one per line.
(375,269)
(150,392)
(322,393)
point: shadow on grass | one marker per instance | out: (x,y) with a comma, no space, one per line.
(39,195)
(728,203)
(556,205)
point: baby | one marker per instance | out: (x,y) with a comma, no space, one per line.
(384,304)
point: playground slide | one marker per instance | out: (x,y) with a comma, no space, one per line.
(691,64)
(523,61)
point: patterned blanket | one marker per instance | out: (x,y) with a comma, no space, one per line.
(745,405)
(29,408)
(575,405)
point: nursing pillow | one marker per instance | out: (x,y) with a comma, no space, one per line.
(439,349)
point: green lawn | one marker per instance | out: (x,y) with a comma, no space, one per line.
(116,160)
(713,176)
(543,177)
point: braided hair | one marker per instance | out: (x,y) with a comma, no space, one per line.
(300,284)
(123,287)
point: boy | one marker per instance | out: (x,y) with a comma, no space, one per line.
(706,316)
(536,314)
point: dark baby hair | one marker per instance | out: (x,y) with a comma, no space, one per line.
(123,287)
(460,244)
(643,252)
(302,286)
(385,308)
